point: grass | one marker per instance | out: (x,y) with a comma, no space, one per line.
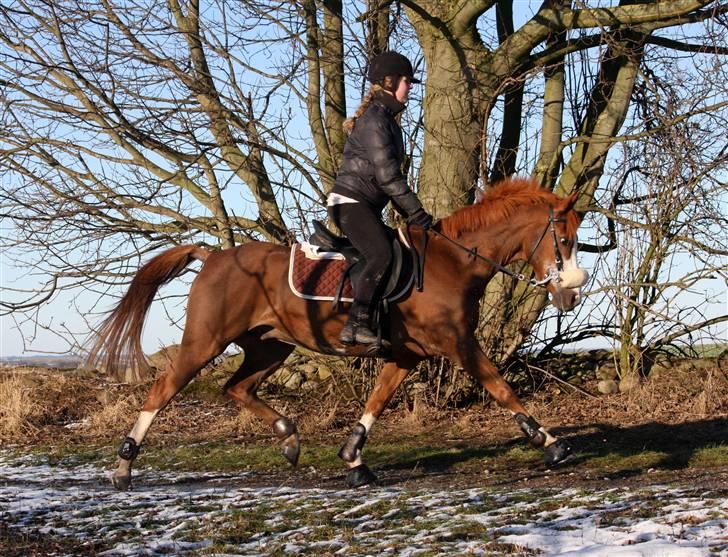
(710,457)
(619,461)
(15,542)
(676,423)
(366,523)
(208,387)
(17,406)
(245,526)
(712,350)
(332,527)
(499,460)
(224,456)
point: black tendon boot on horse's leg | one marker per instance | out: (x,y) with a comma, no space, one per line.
(121,478)
(287,433)
(359,474)
(556,451)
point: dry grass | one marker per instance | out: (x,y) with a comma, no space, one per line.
(319,419)
(111,415)
(43,402)
(38,405)
(688,393)
(684,394)
(714,396)
(416,417)
(17,406)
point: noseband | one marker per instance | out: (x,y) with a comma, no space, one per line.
(553,272)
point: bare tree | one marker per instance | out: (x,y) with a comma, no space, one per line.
(671,207)
(663,210)
(481,65)
(128,127)
(131,127)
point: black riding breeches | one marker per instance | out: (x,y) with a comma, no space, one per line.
(364,227)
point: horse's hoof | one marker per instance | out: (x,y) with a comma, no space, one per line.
(359,476)
(122,482)
(291,449)
(558,452)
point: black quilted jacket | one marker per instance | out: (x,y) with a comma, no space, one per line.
(373,155)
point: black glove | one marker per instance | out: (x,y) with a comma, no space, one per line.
(420,218)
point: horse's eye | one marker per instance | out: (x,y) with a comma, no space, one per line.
(565,241)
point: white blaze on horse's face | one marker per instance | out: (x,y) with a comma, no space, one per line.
(573,276)
(566,292)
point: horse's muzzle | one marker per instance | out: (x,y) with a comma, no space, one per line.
(565,292)
(574,278)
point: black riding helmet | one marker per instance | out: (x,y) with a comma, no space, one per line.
(390,63)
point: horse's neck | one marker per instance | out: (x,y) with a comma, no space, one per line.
(494,242)
(460,261)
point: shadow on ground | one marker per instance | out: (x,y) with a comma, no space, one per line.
(611,450)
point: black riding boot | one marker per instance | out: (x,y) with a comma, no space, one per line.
(358,328)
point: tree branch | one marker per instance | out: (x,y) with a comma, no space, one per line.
(516,49)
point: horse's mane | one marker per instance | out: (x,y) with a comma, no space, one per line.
(501,202)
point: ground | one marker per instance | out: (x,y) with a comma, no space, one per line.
(674,426)
(671,431)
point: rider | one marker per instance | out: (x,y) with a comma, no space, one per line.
(369,177)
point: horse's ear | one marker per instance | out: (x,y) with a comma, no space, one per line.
(567,203)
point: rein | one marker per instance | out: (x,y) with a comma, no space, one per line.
(553,272)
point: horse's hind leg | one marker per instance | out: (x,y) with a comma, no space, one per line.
(191,357)
(262,358)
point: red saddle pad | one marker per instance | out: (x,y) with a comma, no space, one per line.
(315,276)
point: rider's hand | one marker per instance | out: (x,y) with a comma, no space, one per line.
(420,218)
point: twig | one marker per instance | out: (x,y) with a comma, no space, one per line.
(552,376)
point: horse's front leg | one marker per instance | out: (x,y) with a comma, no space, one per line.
(391,377)
(475,362)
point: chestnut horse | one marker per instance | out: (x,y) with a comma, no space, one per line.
(241,295)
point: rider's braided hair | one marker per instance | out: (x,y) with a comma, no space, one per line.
(387,83)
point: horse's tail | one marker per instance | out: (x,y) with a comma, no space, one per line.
(118,346)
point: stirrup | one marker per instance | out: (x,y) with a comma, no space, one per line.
(370,336)
(383,349)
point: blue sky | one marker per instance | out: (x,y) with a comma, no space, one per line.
(64,313)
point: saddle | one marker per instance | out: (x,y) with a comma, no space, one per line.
(326,267)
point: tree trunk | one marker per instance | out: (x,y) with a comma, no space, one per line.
(464,79)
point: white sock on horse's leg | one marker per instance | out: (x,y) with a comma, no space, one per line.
(144,421)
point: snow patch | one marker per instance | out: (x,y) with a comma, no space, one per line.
(185,513)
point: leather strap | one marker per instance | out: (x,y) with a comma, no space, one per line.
(421,269)
(340,287)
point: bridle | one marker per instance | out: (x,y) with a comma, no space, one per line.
(553,272)
(557,253)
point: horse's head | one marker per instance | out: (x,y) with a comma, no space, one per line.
(553,256)
(527,222)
